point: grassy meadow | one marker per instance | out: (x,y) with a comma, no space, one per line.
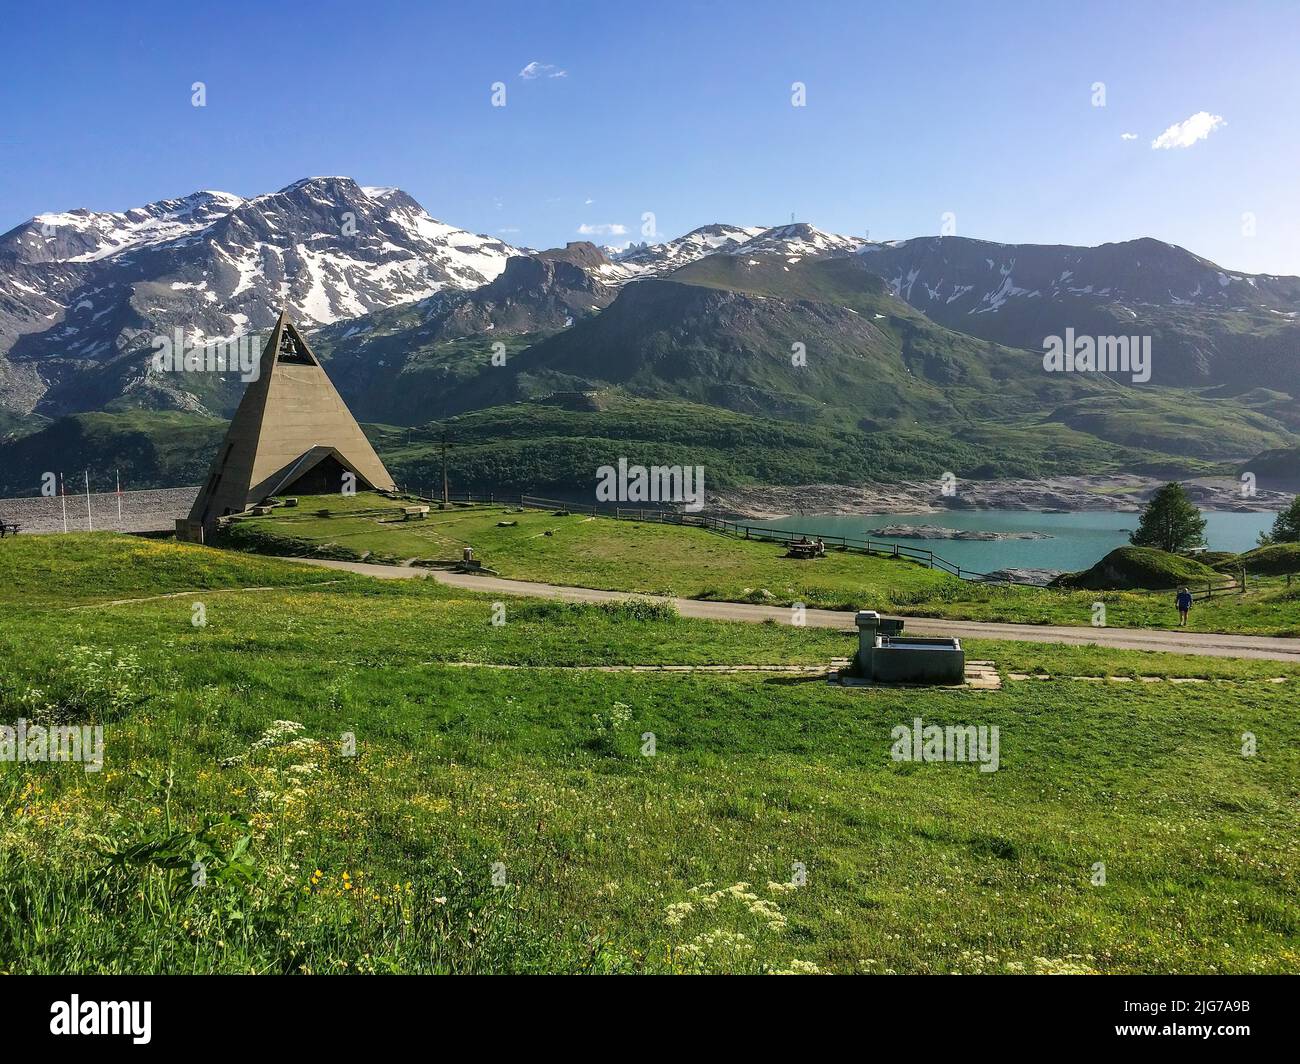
(651,558)
(508,819)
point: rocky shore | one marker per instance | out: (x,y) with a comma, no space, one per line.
(935,532)
(1118,493)
(1032,577)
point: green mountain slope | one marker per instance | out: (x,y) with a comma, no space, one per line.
(1209,326)
(151,449)
(556,446)
(1279,468)
(722,331)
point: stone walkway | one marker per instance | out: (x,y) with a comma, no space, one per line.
(788,670)
(980,675)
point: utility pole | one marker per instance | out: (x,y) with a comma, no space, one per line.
(445,494)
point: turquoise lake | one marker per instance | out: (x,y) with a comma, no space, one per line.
(1078,539)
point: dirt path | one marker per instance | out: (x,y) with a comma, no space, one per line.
(196,593)
(1205,644)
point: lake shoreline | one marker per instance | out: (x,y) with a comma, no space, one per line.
(1065,494)
(1064,542)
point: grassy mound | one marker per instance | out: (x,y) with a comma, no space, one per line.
(1279,558)
(255,539)
(1127,568)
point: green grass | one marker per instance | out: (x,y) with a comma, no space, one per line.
(384,861)
(654,558)
(94,567)
(590,552)
(1269,607)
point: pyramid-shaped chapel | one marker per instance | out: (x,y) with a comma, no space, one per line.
(292,434)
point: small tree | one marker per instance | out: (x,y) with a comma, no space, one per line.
(1286,529)
(1170,522)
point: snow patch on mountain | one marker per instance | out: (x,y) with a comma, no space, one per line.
(655,260)
(798,240)
(216,265)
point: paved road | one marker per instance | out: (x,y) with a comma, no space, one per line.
(1201,643)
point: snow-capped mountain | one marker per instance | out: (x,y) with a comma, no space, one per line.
(655,260)
(796,241)
(793,242)
(83,294)
(84,236)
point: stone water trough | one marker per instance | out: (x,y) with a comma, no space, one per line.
(885,656)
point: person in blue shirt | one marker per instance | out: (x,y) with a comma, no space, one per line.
(1184,604)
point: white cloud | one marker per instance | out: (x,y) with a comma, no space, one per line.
(536,70)
(1128,136)
(607,229)
(1187,132)
(588,202)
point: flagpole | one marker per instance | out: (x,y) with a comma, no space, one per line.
(63,497)
(119,497)
(90,520)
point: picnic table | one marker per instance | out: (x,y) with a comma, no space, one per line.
(803,550)
(7,529)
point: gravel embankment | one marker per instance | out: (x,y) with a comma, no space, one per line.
(142,511)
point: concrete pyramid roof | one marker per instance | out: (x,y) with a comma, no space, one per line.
(290,418)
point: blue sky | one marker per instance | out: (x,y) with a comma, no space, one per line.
(914,110)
